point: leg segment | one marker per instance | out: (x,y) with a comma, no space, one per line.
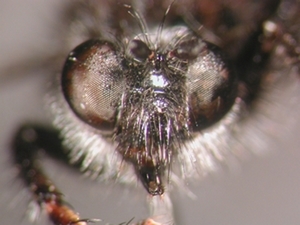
(28,141)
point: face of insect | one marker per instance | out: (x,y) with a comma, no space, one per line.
(150,93)
(145,97)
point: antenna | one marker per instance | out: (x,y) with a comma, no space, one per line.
(141,22)
(161,25)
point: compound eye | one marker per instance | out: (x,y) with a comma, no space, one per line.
(138,50)
(92,82)
(211,86)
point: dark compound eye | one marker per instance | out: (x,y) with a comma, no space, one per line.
(211,84)
(139,50)
(92,82)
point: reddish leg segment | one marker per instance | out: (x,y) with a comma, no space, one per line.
(27,142)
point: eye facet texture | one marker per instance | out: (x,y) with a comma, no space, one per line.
(92,82)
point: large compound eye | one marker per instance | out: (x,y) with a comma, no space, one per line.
(92,82)
(211,84)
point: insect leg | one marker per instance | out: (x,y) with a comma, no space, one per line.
(28,141)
